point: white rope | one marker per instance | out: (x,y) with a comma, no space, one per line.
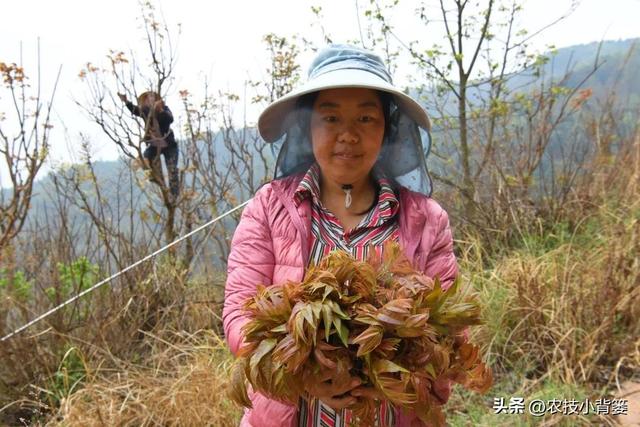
(110,278)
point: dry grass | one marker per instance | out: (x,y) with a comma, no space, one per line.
(572,308)
(561,309)
(566,306)
(42,368)
(182,383)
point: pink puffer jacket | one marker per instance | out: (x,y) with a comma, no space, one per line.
(271,245)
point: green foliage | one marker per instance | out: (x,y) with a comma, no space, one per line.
(17,285)
(68,378)
(73,278)
(539,243)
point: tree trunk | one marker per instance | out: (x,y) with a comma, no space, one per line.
(467,177)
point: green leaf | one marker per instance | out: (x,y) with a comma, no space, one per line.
(307,312)
(453,289)
(327,291)
(342,330)
(327,316)
(316,308)
(336,309)
(430,370)
(281,329)
(382,365)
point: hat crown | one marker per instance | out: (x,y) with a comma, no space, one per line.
(347,57)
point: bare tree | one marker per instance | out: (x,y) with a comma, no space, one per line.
(226,161)
(477,83)
(24,145)
(223,162)
(127,75)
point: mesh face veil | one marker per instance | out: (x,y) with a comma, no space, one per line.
(407,141)
(402,158)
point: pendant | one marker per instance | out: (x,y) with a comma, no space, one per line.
(347,198)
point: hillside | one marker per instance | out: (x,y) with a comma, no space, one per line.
(555,270)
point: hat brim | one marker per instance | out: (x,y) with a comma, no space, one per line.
(273,122)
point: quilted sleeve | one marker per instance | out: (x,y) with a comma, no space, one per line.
(441,261)
(250,262)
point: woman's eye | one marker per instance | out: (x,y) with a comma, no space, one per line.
(330,119)
(366,119)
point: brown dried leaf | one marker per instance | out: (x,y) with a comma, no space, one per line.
(237,385)
(323,359)
(400,306)
(387,348)
(368,340)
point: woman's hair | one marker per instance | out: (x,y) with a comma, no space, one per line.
(143,97)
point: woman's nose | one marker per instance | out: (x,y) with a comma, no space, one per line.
(348,134)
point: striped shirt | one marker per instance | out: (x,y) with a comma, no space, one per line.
(378,226)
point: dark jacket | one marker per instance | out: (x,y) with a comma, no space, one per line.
(164,119)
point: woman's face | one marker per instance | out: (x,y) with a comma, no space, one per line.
(347,129)
(149,100)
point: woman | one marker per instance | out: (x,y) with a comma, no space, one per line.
(158,136)
(352,144)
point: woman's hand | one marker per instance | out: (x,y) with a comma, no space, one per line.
(441,389)
(368,392)
(336,396)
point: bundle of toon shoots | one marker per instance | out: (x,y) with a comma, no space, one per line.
(379,320)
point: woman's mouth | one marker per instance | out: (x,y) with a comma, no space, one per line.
(347,156)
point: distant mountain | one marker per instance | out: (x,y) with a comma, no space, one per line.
(617,62)
(615,77)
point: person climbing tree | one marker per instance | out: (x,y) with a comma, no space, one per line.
(158,136)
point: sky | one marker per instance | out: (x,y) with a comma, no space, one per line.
(221,40)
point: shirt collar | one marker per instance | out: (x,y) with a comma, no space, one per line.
(309,187)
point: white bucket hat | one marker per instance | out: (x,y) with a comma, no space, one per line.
(407,142)
(339,66)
